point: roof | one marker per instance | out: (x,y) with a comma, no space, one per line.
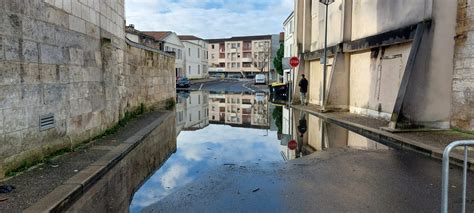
(189,37)
(158,35)
(292,14)
(240,38)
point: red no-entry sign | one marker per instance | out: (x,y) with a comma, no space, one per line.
(294,61)
(292,145)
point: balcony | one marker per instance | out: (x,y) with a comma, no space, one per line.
(247,60)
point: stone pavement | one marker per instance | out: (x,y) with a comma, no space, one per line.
(431,143)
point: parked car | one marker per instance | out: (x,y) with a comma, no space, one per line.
(183,82)
(260,79)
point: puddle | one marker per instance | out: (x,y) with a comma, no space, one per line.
(224,129)
(213,130)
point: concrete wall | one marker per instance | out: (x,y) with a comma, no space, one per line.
(371,17)
(375,79)
(67,59)
(463,79)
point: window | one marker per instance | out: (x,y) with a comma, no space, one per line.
(190,117)
(189,50)
(212,56)
(180,56)
(189,100)
(199,99)
(212,46)
(199,69)
(199,53)
(189,70)
(199,115)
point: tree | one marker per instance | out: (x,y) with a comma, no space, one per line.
(261,59)
(278,60)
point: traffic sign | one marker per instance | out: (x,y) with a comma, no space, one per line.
(292,145)
(294,61)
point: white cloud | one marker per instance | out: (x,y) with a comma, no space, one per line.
(209,18)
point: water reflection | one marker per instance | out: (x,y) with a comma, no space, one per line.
(214,129)
(314,134)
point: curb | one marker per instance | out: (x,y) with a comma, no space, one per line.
(69,191)
(390,139)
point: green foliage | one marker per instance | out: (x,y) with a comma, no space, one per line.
(278,60)
(170,104)
(277,115)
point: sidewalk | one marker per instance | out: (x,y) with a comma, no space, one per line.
(62,179)
(430,143)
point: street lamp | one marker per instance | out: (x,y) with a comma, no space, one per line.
(325,59)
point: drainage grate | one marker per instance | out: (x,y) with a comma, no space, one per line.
(46,122)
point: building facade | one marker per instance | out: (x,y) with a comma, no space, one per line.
(240,56)
(195,57)
(289,44)
(391,60)
(244,110)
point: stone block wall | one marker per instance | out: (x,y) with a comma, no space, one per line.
(142,83)
(463,78)
(67,58)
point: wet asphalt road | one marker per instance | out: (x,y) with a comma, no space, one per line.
(338,180)
(226,85)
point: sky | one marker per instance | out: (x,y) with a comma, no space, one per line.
(209,18)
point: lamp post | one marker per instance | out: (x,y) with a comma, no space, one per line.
(325,59)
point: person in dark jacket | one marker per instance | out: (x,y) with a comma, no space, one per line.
(303,89)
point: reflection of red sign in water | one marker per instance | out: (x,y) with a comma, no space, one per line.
(292,145)
(294,61)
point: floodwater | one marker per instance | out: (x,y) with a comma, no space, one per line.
(217,129)
(213,130)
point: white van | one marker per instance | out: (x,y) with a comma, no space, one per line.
(260,79)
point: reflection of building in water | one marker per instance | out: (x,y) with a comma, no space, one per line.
(314,134)
(181,111)
(192,110)
(239,109)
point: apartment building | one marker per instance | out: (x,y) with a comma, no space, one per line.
(240,56)
(244,110)
(405,61)
(171,43)
(195,56)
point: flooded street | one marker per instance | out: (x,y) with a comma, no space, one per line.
(233,133)
(233,154)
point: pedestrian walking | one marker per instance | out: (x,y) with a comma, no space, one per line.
(303,89)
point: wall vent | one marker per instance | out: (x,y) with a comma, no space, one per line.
(46,122)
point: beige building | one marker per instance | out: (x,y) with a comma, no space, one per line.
(390,59)
(240,56)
